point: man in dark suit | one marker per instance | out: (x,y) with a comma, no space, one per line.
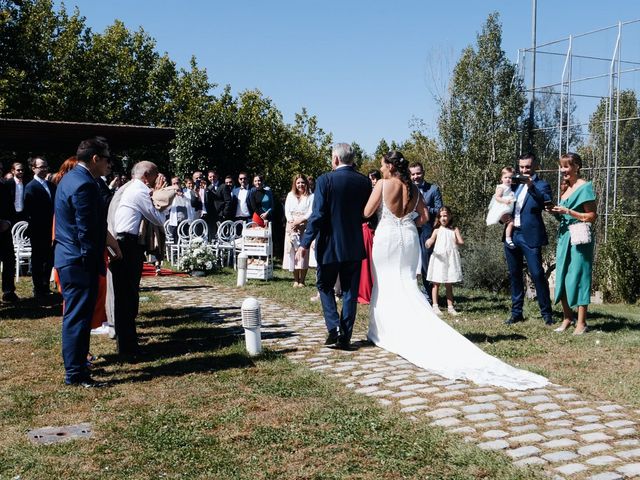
(7,254)
(80,235)
(433,200)
(529,236)
(39,196)
(336,225)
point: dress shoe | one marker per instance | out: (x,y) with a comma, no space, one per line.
(549,321)
(511,320)
(332,338)
(10,297)
(343,344)
(86,382)
(565,325)
(581,332)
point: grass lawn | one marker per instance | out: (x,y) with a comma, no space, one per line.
(198,407)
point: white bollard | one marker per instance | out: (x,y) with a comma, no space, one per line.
(251,323)
(242,269)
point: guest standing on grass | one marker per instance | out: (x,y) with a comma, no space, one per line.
(444,264)
(574,253)
(80,234)
(297,210)
(130,209)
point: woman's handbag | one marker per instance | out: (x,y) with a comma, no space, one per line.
(580,233)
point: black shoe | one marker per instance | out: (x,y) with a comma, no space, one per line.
(332,338)
(511,320)
(87,382)
(10,297)
(549,321)
(344,345)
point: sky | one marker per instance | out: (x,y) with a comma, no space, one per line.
(365,68)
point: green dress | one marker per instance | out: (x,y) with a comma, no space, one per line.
(574,262)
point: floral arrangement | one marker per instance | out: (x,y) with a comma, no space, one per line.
(199,256)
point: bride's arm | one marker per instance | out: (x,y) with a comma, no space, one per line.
(374,201)
(422,210)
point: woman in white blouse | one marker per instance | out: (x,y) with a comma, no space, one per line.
(297,209)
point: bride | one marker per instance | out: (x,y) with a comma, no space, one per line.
(401,320)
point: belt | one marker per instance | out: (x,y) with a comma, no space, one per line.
(126,237)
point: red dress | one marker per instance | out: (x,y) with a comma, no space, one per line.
(366,275)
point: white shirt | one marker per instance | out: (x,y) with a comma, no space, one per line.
(135,204)
(19,200)
(519,202)
(242,210)
(298,206)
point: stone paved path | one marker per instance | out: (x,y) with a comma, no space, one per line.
(570,437)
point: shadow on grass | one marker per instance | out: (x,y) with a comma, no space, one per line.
(177,288)
(611,323)
(484,338)
(32,309)
(191,343)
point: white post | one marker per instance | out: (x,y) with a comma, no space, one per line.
(251,323)
(242,269)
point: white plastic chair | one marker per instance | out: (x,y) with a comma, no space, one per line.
(169,242)
(182,241)
(21,246)
(225,243)
(199,229)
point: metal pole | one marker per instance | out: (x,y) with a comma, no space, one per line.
(610,132)
(568,140)
(615,157)
(534,15)
(562,81)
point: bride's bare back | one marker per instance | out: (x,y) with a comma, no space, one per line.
(396,198)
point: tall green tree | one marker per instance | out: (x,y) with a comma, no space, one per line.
(479,121)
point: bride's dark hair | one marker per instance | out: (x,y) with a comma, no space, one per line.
(395,158)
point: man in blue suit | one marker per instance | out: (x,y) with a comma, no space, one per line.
(529,236)
(39,196)
(433,200)
(80,236)
(336,224)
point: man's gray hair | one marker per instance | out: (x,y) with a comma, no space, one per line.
(143,168)
(344,152)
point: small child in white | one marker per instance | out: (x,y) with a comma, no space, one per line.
(502,202)
(444,265)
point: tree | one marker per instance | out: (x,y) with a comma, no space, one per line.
(479,121)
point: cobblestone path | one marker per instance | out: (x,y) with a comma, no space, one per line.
(571,438)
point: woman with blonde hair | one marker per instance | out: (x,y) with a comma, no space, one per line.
(297,209)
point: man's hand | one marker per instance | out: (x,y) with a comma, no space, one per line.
(301,253)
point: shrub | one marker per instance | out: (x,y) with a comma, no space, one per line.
(483,262)
(617,269)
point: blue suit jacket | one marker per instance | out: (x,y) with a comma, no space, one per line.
(38,208)
(81,227)
(336,218)
(531,223)
(433,200)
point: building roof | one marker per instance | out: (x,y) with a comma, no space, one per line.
(34,135)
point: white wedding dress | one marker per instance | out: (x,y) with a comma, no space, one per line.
(402,321)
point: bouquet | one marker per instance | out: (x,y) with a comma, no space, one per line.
(199,256)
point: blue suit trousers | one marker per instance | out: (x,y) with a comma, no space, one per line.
(79,291)
(349,274)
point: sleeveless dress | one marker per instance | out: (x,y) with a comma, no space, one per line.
(444,264)
(498,209)
(574,263)
(402,321)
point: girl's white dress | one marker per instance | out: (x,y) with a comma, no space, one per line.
(444,265)
(498,209)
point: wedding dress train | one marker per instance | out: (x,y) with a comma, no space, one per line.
(402,321)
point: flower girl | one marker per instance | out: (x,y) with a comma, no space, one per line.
(444,265)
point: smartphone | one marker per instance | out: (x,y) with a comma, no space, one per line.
(111,251)
(548,204)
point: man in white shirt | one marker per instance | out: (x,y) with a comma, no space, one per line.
(241,195)
(135,205)
(17,170)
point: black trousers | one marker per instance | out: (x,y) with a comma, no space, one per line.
(41,265)
(126,275)
(8,259)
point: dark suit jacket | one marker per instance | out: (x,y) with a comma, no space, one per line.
(219,202)
(38,208)
(336,218)
(81,227)
(531,223)
(10,193)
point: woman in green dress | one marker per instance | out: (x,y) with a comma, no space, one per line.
(574,262)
